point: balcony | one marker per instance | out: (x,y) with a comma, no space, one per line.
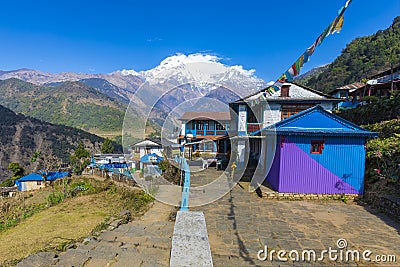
(198,133)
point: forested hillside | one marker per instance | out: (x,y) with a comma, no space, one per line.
(70,103)
(22,136)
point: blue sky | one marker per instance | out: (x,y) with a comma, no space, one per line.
(104,36)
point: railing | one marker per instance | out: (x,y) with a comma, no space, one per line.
(253,127)
(206,132)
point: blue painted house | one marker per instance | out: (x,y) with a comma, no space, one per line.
(207,131)
(149,163)
(29,182)
(35,181)
(317,152)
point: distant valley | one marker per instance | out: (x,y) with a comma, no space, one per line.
(22,136)
(97,102)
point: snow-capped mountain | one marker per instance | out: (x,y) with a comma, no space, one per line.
(176,79)
(202,70)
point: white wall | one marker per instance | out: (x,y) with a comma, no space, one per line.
(328,106)
(272,114)
(31,185)
(183,128)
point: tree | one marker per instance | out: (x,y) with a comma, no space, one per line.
(16,169)
(80,159)
(81,152)
(107,147)
(35,156)
(17,172)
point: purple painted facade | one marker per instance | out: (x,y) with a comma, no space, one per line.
(335,167)
(273,175)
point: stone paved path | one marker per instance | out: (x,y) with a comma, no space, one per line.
(146,242)
(240,224)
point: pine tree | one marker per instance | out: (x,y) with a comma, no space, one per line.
(107,147)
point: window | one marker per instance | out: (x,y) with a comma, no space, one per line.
(39,183)
(285,91)
(219,126)
(289,110)
(317,146)
(202,125)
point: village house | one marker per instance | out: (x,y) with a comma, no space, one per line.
(205,131)
(8,191)
(316,152)
(36,181)
(379,85)
(144,151)
(30,182)
(262,109)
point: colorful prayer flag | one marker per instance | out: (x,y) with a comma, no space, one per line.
(338,27)
(294,70)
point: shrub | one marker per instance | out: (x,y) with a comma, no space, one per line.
(55,198)
(383,159)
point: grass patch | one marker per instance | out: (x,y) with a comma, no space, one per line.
(64,216)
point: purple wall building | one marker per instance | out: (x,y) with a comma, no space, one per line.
(318,152)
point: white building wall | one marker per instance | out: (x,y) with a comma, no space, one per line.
(328,106)
(183,128)
(32,185)
(156,150)
(242,119)
(272,114)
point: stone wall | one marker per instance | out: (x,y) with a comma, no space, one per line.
(299,196)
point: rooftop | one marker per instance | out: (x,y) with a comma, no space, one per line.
(216,116)
(318,121)
(297,92)
(146,143)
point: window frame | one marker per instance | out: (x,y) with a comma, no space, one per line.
(320,147)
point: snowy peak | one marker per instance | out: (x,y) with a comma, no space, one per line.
(179,62)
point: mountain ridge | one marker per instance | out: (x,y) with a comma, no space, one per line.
(69,103)
(22,136)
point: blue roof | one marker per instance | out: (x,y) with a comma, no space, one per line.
(31,177)
(316,120)
(151,158)
(52,176)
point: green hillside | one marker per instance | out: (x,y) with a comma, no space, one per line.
(71,103)
(382,170)
(22,136)
(362,58)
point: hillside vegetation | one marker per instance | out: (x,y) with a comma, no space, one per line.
(68,211)
(70,103)
(382,171)
(22,136)
(362,58)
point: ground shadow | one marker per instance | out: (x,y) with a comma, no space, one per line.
(243,252)
(386,218)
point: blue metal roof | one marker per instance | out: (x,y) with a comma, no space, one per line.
(316,120)
(52,176)
(151,158)
(31,177)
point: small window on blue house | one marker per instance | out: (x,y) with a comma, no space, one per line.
(317,146)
